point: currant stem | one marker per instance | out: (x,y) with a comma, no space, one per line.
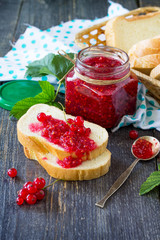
(64,113)
(65,55)
(51,184)
(57,92)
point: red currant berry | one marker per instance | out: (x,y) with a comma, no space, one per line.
(41,117)
(133,134)
(22,193)
(26,184)
(19,200)
(12,172)
(40,194)
(39,182)
(70,121)
(79,121)
(81,130)
(31,199)
(31,188)
(87,132)
(73,127)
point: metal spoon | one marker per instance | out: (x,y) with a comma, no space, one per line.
(123,177)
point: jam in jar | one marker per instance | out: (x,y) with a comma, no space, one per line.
(101,88)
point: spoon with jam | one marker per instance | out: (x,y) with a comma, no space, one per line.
(144,148)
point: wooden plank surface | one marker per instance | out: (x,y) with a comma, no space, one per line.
(9,17)
(68,210)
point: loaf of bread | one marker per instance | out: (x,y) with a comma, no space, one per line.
(36,142)
(88,170)
(137,25)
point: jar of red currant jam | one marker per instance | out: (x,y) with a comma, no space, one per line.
(101,87)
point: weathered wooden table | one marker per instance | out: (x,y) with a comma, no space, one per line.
(68,210)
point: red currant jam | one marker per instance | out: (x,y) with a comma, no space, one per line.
(104,104)
(69,162)
(142,149)
(72,135)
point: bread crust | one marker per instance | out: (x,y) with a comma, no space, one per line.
(70,174)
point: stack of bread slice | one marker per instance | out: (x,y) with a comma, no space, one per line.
(95,163)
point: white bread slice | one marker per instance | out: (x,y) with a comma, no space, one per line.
(35,142)
(155,73)
(124,31)
(88,170)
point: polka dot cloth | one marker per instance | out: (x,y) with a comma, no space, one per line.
(34,44)
(147,115)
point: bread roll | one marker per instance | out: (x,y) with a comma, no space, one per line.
(155,73)
(146,63)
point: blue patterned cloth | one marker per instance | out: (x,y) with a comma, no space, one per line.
(34,44)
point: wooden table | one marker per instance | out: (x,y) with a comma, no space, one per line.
(68,210)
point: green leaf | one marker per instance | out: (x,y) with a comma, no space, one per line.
(152,181)
(60,65)
(56,65)
(47,89)
(35,67)
(33,72)
(46,96)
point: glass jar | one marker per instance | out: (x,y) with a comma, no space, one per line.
(101,88)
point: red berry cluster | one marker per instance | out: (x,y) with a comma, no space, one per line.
(71,134)
(77,125)
(31,192)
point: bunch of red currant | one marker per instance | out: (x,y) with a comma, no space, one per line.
(31,192)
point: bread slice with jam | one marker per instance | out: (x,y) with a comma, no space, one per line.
(88,170)
(30,129)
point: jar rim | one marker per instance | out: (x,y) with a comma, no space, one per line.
(108,49)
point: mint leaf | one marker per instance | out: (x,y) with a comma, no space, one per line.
(56,65)
(152,181)
(47,96)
